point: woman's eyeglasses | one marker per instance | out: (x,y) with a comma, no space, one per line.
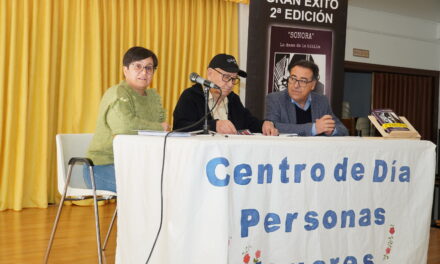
(138,67)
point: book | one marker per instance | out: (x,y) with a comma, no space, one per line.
(389,121)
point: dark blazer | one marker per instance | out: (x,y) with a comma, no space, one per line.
(191,107)
(281,111)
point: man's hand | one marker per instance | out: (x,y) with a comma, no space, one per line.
(269,129)
(325,124)
(165,126)
(225,127)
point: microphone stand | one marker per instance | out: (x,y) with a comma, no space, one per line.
(206,88)
(205,130)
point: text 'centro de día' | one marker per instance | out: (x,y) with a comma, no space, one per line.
(243,174)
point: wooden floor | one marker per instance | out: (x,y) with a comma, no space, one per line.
(24,236)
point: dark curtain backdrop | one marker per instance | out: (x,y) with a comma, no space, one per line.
(408,95)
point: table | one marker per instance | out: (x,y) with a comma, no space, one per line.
(255,199)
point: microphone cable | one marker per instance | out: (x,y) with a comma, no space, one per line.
(162,169)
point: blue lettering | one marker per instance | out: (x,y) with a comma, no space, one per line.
(351,259)
(357,171)
(380,164)
(315,168)
(242,174)
(265,168)
(334,261)
(298,169)
(347,214)
(313,223)
(210,172)
(365,220)
(405,174)
(393,171)
(330,219)
(379,214)
(368,259)
(249,217)
(341,171)
(271,222)
(284,166)
(289,221)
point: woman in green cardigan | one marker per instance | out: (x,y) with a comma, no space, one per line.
(125,108)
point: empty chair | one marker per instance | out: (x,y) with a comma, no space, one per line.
(71,151)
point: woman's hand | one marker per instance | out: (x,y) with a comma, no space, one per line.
(165,126)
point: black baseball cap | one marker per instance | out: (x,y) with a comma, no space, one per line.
(227,63)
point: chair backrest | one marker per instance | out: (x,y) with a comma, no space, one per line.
(68,146)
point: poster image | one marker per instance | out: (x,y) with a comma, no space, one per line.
(291,44)
(281,69)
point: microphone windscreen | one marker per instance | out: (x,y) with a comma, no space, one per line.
(193,76)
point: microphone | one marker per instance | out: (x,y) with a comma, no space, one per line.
(194,77)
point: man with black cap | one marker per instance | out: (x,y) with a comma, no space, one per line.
(229,115)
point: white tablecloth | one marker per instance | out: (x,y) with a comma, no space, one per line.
(255,199)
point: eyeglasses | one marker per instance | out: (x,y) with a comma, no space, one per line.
(138,67)
(301,83)
(227,78)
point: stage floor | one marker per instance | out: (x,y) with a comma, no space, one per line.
(24,236)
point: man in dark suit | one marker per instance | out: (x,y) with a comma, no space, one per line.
(300,110)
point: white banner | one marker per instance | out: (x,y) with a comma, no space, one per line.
(274,200)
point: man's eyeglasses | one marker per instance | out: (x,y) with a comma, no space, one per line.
(227,78)
(301,83)
(138,67)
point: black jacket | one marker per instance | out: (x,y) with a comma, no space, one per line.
(191,107)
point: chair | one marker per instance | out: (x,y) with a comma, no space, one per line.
(363,126)
(71,150)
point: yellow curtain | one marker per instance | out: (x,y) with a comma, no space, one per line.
(57,57)
(246,2)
